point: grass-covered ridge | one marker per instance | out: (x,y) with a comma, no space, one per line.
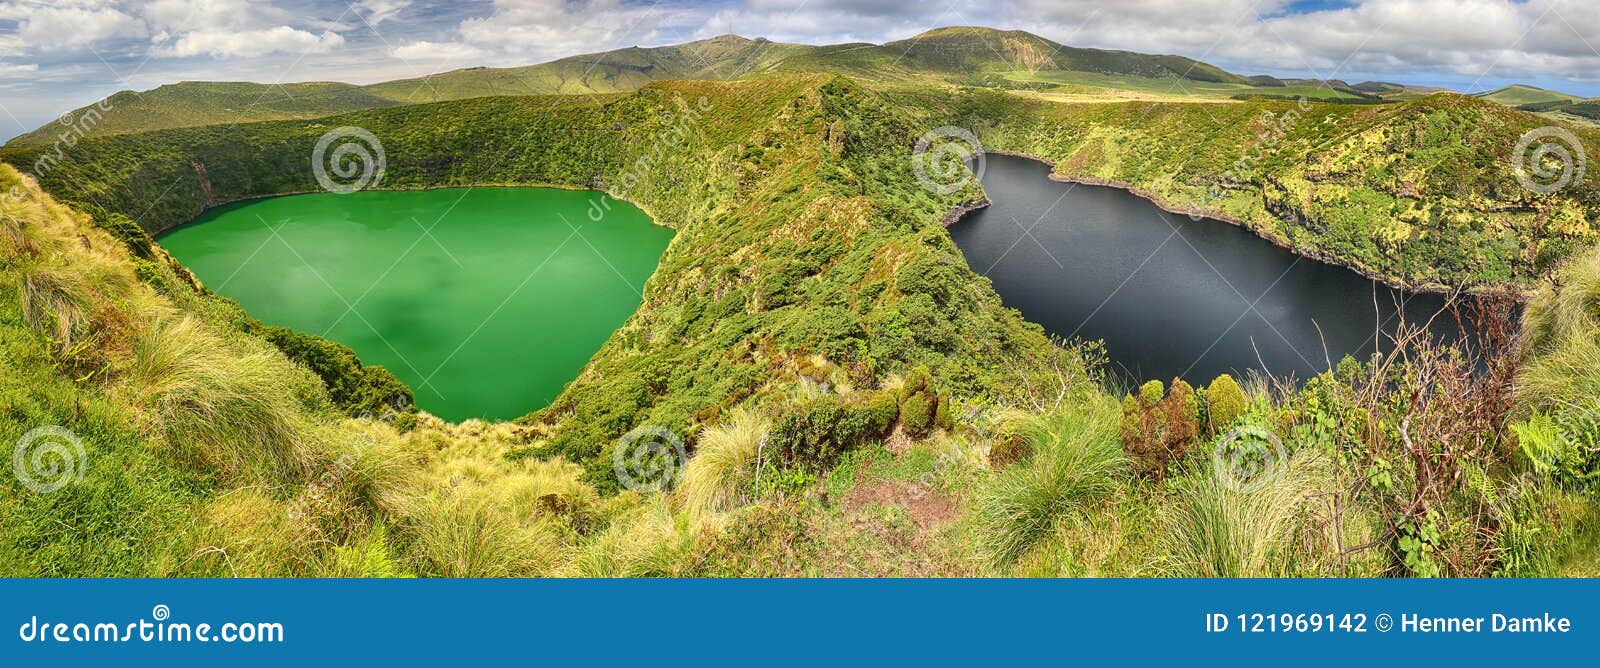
(805,247)
(854,399)
(1419,193)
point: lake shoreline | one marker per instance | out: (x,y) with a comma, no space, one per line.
(654,219)
(1308,253)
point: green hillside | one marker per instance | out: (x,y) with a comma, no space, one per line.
(943,54)
(193,103)
(1518,94)
(724,57)
(972,49)
(854,399)
(1417,193)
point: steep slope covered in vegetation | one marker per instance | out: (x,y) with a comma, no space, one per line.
(855,400)
(974,49)
(805,247)
(1419,193)
(723,57)
(192,103)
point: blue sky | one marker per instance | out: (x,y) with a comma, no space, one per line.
(59,54)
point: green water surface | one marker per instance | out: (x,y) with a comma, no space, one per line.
(486,301)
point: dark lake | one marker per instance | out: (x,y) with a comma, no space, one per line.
(1170,296)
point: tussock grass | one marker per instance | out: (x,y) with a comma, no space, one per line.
(649,541)
(219,405)
(1077,457)
(57,304)
(462,533)
(724,464)
(249,534)
(1561,328)
(1212,530)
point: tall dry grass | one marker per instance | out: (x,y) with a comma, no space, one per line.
(1561,326)
(1210,529)
(218,404)
(720,474)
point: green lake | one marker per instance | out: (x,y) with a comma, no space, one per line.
(486,301)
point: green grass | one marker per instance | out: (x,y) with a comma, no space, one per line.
(1076,458)
(1519,94)
(192,103)
(1213,530)
(721,474)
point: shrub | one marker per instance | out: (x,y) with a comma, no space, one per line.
(353,387)
(1007,449)
(919,403)
(1076,459)
(816,433)
(719,476)
(1225,402)
(129,233)
(1156,431)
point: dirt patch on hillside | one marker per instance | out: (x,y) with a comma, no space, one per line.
(927,509)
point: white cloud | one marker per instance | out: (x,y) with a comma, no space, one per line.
(1471,38)
(57,26)
(180,16)
(378,11)
(535,30)
(15,70)
(425,51)
(247,43)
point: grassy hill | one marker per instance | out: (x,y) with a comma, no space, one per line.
(1517,95)
(724,57)
(1417,193)
(974,49)
(856,400)
(193,103)
(964,55)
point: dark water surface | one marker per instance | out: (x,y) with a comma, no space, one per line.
(486,301)
(1170,296)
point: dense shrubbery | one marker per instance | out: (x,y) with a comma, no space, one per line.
(1418,192)
(816,433)
(1158,426)
(355,388)
(1224,403)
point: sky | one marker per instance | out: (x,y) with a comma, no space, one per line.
(56,55)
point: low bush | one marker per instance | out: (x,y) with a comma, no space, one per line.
(1225,402)
(1157,430)
(813,435)
(919,403)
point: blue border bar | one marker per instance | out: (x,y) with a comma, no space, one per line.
(796,622)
